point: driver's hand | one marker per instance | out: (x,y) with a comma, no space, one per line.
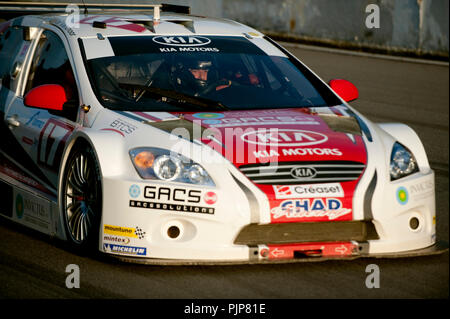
(223,86)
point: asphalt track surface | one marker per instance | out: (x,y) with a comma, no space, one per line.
(33,265)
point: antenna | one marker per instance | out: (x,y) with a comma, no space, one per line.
(85,7)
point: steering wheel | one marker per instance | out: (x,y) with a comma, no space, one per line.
(214,85)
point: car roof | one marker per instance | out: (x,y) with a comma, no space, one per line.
(123,24)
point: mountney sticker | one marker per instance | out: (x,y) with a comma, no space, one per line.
(181,208)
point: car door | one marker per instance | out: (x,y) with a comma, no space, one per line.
(15,46)
(42,133)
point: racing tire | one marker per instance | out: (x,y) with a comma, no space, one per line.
(81,199)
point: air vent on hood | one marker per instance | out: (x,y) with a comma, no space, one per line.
(303,172)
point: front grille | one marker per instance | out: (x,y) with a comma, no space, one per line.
(281,174)
(288,233)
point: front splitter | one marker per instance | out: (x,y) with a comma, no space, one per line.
(439,247)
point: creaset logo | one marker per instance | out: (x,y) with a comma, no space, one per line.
(308,191)
(283,137)
(182,41)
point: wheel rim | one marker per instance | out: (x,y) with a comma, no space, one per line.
(81,191)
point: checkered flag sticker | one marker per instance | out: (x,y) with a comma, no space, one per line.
(139,232)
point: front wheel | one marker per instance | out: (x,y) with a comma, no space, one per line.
(81,198)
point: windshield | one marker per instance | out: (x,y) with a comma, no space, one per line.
(187,73)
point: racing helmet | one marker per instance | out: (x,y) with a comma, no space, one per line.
(194,73)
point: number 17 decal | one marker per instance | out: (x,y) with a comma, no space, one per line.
(52,141)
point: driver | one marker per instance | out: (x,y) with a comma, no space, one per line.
(199,71)
(195,75)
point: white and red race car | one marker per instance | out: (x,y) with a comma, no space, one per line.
(168,137)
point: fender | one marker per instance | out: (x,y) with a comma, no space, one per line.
(409,138)
(110,152)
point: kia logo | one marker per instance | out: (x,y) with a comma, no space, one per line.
(182,41)
(284,137)
(303,172)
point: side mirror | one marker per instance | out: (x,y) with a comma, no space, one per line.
(47,96)
(345,89)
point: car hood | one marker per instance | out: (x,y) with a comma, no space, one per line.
(264,136)
(307,161)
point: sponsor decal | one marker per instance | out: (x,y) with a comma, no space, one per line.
(134,191)
(184,44)
(183,199)
(209,116)
(182,41)
(211,122)
(128,250)
(263,154)
(330,208)
(51,143)
(120,126)
(283,137)
(168,194)
(65,26)
(308,191)
(402,195)
(264,120)
(298,152)
(303,172)
(120,231)
(123,126)
(10,169)
(311,151)
(421,190)
(116,239)
(139,232)
(210,198)
(33,212)
(172,207)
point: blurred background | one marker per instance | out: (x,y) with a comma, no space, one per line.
(406,27)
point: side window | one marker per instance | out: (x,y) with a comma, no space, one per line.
(51,65)
(13,49)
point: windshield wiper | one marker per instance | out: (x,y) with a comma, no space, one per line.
(174,97)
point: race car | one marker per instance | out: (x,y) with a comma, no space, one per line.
(158,136)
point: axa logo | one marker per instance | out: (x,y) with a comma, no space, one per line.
(284,137)
(182,41)
(303,172)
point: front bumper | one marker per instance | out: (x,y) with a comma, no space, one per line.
(139,226)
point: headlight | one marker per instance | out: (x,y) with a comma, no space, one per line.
(157,163)
(403,162)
